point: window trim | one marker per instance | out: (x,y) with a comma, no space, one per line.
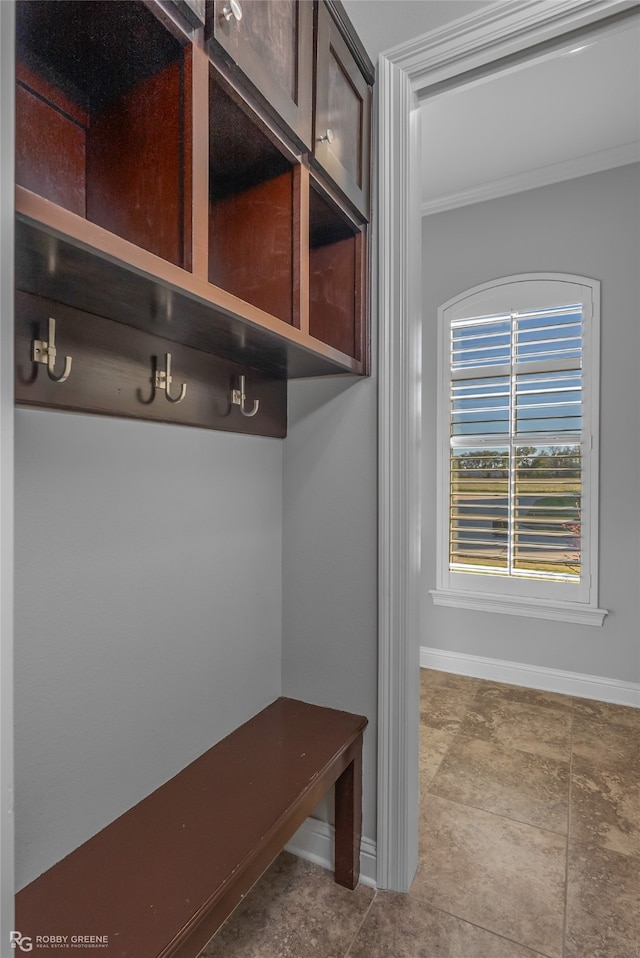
(512,595)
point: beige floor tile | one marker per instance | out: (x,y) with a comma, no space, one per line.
(491,880)
(607,746)
(603,904)
(607,712)
(398,926)
(504,876)
(605,808)
(448,680)
(443,707)
(295,911)
(506,781)
(434,744)
(532,728)
(495,691)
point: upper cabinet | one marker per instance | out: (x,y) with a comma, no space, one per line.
(302,62)
(173,177)
(101,115)
(192,11)
(342,115)
(268,44)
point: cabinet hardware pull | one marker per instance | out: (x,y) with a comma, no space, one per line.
(329,136)
(238,397)
(45,352)
(163,380)
(232,9)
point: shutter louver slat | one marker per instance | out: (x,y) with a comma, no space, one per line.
(514,509)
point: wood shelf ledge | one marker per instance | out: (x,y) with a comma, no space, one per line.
(62,256)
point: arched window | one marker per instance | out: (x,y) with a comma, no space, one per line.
(518,447)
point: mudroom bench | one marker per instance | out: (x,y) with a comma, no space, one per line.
(160,880)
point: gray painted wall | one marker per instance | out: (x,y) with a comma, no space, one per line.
(589,226)
(151,587)
(329,645)
(147,607)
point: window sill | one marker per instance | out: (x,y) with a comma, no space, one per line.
(512,605)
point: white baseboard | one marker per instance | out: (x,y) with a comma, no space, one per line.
(533,676)
(314,842)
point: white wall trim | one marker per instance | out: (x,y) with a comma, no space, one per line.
(399,546)
(503,29)
(532,676)
(7,280)
(314,841)
(532,608)
(532,179)
(418,68)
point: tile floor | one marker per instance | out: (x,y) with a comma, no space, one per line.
(529,843)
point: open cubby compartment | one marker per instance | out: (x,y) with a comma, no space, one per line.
(103,125)
(336,275)
(254,208)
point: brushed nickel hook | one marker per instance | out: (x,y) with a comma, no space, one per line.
(163,380)
(44,351)
(238,397)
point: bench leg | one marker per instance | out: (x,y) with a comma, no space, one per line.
(348,821)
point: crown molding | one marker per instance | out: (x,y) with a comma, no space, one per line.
(532,179)
(503,29)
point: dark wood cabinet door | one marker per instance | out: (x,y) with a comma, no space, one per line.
(271,42)
(342,134)
(192,11)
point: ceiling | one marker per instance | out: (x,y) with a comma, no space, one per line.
(561,115)
(568,113)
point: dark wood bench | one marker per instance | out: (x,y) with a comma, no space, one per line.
(160,880)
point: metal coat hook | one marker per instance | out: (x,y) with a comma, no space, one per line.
(238,397)
(45,352)
(163,380)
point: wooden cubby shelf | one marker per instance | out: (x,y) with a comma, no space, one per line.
(103,119)
(153,192)
(336,277)
(253,209)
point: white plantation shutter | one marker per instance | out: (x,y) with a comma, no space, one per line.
(517,422)
(516,435)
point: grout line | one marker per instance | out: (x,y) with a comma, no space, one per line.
(514,748)
(507,818)
(566,865)
(360,926)
(512,941)
(428,791)
(501,746)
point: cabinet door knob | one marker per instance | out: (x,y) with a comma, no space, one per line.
(329,136)
(232,9)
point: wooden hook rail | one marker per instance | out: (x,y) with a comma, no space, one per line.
(111,374)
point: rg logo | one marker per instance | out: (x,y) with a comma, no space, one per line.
(22,941)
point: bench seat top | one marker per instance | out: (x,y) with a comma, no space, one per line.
(171,868)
